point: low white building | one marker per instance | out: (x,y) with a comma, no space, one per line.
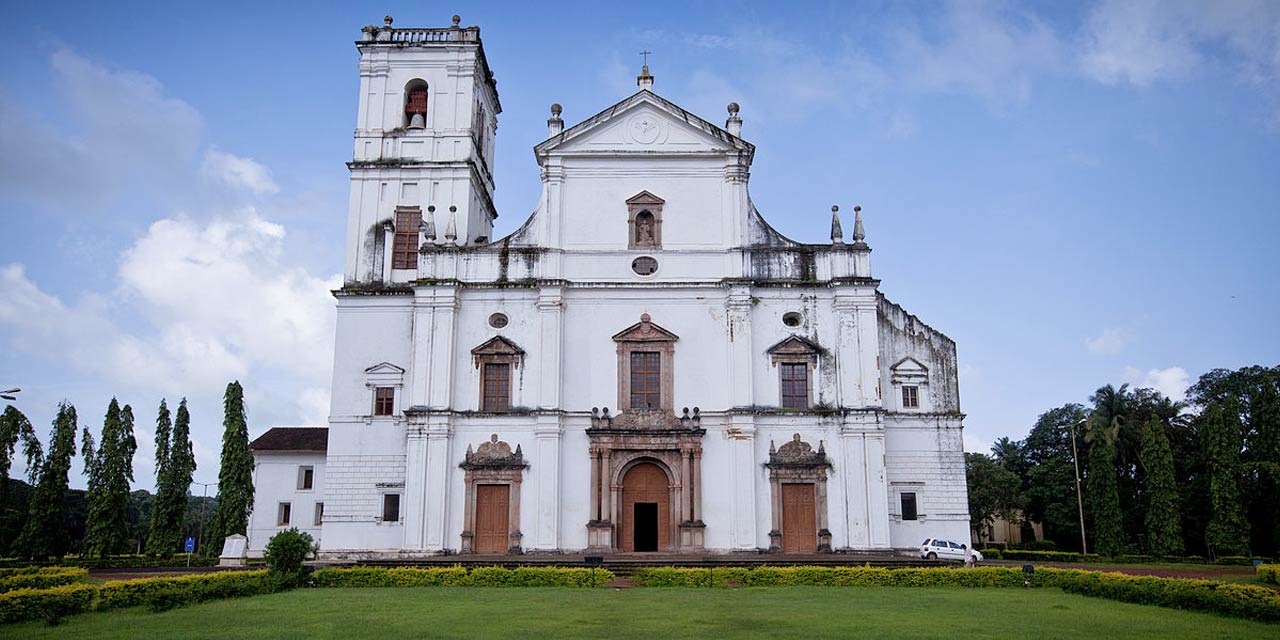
(645,364)
(288,480)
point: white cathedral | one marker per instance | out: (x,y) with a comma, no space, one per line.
(643,365)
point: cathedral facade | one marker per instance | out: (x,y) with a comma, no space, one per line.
(643,365)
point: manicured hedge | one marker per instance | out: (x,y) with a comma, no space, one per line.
(460,577)
(990,554)
(50,605)
(165,593)
(42,578)
(117,562)
(830,576)
(1269,573)
(1050,556)
(1238,600)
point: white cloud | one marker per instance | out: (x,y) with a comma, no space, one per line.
(1171,382)
(973,445)
(1111,342)
(236,173)
(1141,42)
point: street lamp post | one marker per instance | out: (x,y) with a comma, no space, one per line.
(203,501)
(1075,458)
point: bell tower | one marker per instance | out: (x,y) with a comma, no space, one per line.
(422,168)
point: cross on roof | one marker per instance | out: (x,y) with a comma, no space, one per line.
(646,53)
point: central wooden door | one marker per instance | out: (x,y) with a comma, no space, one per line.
(799,518)
(646,506)
(492,517)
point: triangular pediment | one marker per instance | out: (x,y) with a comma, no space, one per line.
(384,368)
(909,365)
(498,346)
(645,198)
(644,122)
(795,345)
(645,331)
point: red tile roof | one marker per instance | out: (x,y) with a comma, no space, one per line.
(292,439)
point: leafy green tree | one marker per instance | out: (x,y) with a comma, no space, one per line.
(1164,526)
(15,427)
(1100,489)
(1228,532)
(164,430)
(235,474)
(44,534)
(110,471)
(170,507)
(994,492)
(1050,481)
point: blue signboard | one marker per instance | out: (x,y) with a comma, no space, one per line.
(191,545)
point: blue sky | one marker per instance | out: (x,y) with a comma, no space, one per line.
(1077,193)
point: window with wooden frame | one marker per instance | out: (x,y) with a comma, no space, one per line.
(390,507)
(384,401)
(283,513)
(796,359)
(646,380)
(319,519)
(795,384)
(306,478)
(496,388)
(497,359)
(404,245)
(910,397)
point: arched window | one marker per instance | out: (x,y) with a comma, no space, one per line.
(415,105)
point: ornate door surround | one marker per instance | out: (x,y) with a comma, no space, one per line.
(493,463)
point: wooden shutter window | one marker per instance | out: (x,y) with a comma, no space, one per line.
(795,385)
(391,507)
(404,251)
(911,397)
(646,380)
(497,387)
(384,401)
(909,510)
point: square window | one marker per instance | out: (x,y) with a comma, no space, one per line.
(384,401)
(282,514)
(795,385)
(910,397)
(306,478)
(319,514)
(909,511)
(391,507)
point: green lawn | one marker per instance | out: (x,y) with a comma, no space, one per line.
(774,612)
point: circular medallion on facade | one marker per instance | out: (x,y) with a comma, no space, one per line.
(644,128)
(644,266)
(498,320)
(791,319)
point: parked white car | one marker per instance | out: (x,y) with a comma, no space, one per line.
(933,548)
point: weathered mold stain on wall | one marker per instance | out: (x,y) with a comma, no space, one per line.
(902,335)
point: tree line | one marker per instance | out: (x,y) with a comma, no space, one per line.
(44,518)
(1159,477)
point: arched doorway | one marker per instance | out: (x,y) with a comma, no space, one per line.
(645,520)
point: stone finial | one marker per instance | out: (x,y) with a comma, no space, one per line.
(734,123)
(837,233)
(644,317)
(457,19)
(388,20)
(451,229)
(645,79)
(428,225)
(859,234)
(554,124)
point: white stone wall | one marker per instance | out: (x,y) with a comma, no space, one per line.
(275,480)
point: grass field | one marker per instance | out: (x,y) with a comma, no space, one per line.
(779,612)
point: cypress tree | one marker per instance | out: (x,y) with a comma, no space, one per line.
(164,427)
(235,474)
(15,427)
(1163,521)
(1102,493)
(110,473)
(170,506)
(44,534)
(1228,530)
